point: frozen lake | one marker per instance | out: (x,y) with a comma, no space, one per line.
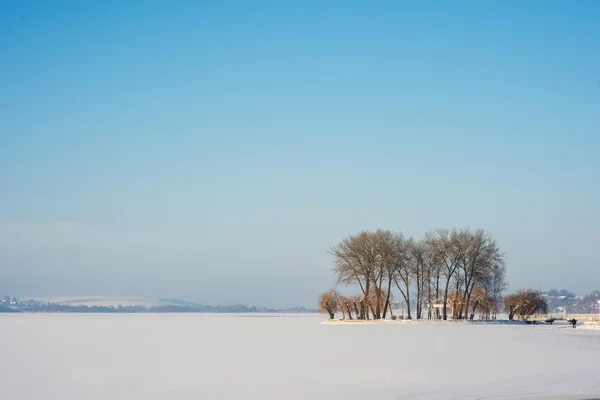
(200,356)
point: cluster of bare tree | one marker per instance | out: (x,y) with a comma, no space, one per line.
(460,269)
(525,303)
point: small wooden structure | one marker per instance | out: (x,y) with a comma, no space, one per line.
(435,309)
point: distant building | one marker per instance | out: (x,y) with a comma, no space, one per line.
(436,309)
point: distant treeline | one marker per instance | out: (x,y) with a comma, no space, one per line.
(167,308)
(60,308)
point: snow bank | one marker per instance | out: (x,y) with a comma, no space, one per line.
(423,321)
(497,322)
(369,322)
(591,326)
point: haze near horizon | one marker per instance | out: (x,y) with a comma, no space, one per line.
(214,151)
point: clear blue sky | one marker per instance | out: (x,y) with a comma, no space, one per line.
(213,151)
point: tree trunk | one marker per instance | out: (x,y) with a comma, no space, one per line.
(456,311)
(467,297)
(385,307)
(467,303)
(408,302)
(445,300)
(367,302)
(475,307)
(429,316)
(378,293)
(387,300)
(372,311)
(405,296)
(419,290)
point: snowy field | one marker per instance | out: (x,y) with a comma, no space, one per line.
(278,357)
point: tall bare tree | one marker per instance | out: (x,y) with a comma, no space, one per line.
(356,260)
(423,264)
(448,247)
(383,241)
(403,268)
(497,286)
(482,303)
(479,257)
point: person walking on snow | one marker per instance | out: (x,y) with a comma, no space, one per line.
(574,322)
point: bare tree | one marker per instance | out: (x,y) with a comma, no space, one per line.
(328,302)
(434,273)
(356,303)
(386,271)
(340,306)
(383,242)
(494,285)
(376,300)
(356,260)
(346,307)
(482,303)
(456,300)
(524,303)
(477,262)
(423,263)
(402,265)
(448,248)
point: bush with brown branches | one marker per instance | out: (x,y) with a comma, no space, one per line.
(329,303)
(524,303)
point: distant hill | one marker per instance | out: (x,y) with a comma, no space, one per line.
(564,301)
(106,304)
(102,301)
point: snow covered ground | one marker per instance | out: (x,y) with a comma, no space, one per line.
(591,326)
(276,357)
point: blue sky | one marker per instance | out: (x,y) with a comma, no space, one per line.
(159,148)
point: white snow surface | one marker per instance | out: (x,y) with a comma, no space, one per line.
(276,357)
(591,326)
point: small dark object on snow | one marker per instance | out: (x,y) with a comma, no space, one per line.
(573,322)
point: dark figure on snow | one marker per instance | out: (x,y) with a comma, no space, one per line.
(574,322)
